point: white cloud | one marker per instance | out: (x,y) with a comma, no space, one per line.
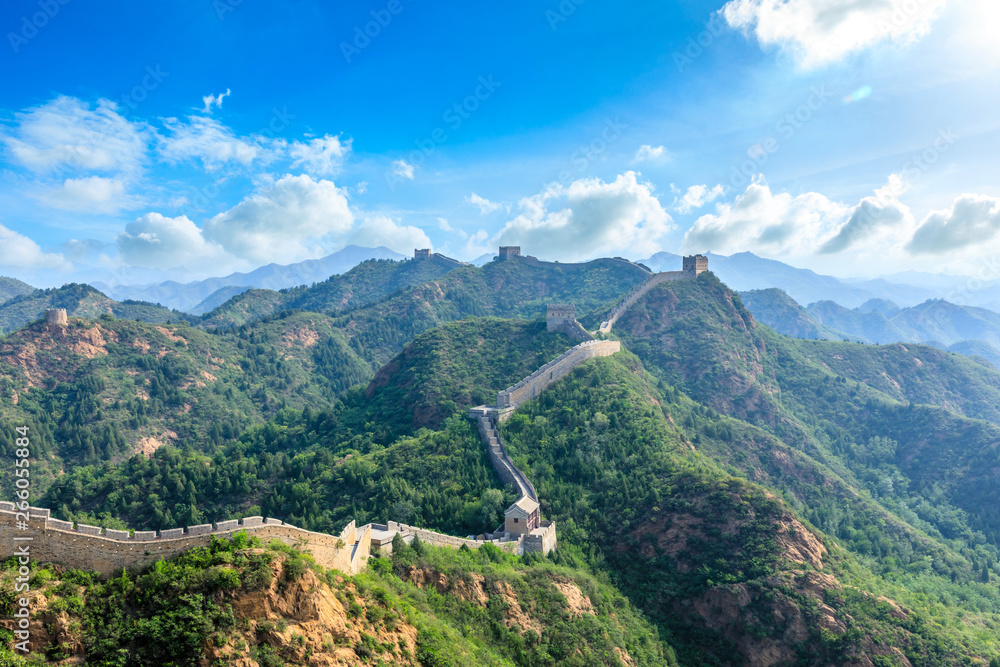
(973,220)
(818,32)
(213,143)
(381,230)
(92,194)
(485,205)
(880,220)
(283,222)
(322,156)
(589,218)
(156,241)
(214,100)
(66,132)
(21,252)
(403,169)
(767,223)
(696,197)
(647,153)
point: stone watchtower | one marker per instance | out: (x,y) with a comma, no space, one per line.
(508,252)
(559,315)
(424,253)
(56,317)
(695,264)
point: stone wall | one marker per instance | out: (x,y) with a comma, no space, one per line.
(110,551)
(440,540)
(534,384)
(639,291)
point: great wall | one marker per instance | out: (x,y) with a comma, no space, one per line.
(109,551)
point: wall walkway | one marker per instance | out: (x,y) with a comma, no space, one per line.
(640,291)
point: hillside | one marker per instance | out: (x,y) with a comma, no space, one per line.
(101,390)
(10,288)
(780,312)
(243,602)
(79,301)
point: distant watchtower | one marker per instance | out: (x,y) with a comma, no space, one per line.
(558,315)
(695,264)
(56,316)
(424,253)
(509,252)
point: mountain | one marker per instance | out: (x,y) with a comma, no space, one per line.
(273,276)
(11,287)
(742,497)
(962,329)
(217,298)
(79,301)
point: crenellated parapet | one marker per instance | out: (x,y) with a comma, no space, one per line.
(108,551)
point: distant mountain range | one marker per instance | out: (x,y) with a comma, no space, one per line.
(745,271)
(964,329)
(201,296)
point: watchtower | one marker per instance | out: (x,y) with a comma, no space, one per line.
(509,252)
(695,264)
(522,517)
(421,253)
(56,316)
(558,315)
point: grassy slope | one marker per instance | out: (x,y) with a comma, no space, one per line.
(11,287)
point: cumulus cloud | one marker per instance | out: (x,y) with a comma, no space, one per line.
(283,222)
(381,230)
(212,143)
(818,32)
(92,194)
(647,153)
(214,100)
(22,253)
(484,205)
(156,241)
(321,156)
(764,222)
(881,217)
(66,132)
(696,197)
(972,220)
(590,218)
(403,169)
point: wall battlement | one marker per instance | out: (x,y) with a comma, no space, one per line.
(109,551)
(534,384)
(693,266)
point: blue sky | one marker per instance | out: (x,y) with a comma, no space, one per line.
(182,140)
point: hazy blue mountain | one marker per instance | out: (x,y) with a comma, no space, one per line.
(217,298)
(187,296)
(966,330)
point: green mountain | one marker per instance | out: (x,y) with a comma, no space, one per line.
(78,301)
(755,498)
(11,287)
